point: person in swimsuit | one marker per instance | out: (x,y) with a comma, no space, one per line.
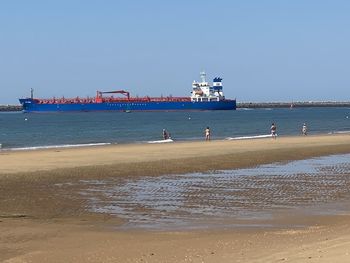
(304,129)
(207,134)
(165,134)
(273,131)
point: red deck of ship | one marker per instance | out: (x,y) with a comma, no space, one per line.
(111,99)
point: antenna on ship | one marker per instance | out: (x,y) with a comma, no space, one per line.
(203,75)
(31,93)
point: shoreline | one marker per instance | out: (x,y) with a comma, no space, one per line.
(160,141)
(187,153)
(43,217)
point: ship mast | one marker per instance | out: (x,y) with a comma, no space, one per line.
(31,93)
(203,76)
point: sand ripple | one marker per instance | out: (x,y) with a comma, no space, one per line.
(204,199)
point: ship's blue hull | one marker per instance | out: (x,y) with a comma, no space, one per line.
(30,105)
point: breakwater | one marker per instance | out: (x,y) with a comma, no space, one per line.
(10,107)
(301,104)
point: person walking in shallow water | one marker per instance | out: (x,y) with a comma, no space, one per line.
(165,134)
(207,134)
(304,130)
(273,130)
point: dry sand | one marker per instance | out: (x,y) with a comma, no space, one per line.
(41,223)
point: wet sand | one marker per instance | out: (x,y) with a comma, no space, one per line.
(44,217)
(240,198)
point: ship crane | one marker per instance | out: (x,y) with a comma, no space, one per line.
(125,93)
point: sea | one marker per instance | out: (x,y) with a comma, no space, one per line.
(22,131)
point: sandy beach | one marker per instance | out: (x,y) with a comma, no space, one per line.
(43,218)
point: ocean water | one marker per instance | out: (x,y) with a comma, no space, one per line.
(19,130)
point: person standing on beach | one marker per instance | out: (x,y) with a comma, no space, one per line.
(273,130)
(207,134)
(304,129)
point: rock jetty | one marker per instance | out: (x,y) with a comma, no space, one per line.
(10,107)
(257,105)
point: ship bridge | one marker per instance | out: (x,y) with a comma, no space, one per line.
(202,91)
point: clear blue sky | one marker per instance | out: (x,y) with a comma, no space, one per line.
(265,50)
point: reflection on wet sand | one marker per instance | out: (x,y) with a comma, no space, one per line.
(222,198)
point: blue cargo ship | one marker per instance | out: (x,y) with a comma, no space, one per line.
(203,97)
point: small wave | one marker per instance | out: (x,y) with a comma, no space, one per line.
(249,137)
(245,109)
(161,141)
(339,132)
(56,146)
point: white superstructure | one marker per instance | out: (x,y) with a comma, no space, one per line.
(202,91)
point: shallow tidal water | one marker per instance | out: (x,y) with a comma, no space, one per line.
(230,198)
